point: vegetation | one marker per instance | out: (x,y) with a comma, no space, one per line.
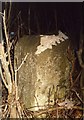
(13,107)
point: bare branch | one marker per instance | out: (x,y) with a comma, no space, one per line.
(4,81)
(22,63)
(44,111)
(16,71)
(78,96)
(79,58)
(4,62)
(9,13)
(8,44)
(5,30)
(75,80)
(1,14)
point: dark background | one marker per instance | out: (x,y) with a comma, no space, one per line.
(48,18)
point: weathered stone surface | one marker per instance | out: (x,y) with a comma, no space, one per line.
(41,74)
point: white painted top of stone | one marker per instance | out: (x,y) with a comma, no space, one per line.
(47,41)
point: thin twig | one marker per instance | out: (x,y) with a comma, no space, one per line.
(3,78)
(9,14)
(16,71)
(2,105)
(36,113)
(14,20)
(25,113)
(79,53)
(8,113)
(75,80)
(78,96)
(4,114)
(5,109)
(22,63)
(1,14)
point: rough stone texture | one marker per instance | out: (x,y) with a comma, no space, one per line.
(41,74)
